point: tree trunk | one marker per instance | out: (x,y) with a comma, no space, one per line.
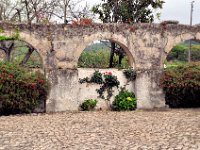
(120,59)
(27,56)
(65,14)
(27,12)
(112,52)
(1,13)
(113,45)
(66,3)
(19,15)
(8,51)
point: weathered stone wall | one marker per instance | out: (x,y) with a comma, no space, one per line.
(67,93)
(88,91)
(147,46)
(64,90)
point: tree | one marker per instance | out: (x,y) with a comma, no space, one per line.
(68,10)
(8,10)
(126,11)
(27,10)
(37,10)
(7,46)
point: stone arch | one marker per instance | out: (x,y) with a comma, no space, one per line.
(173,41)
(119,39)
(41,45)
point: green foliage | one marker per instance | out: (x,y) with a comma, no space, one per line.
(99,59)
(130,74)
(106,80)
(20,90)
(130,11)
(195,53)
(124,101)
(110,81)
(182,85)
(97,78)
(1,30)
(13,37)
(88,105)
(180,53)
(84,80)
(5,38)
(94,59)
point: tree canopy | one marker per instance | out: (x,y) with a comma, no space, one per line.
(128,11)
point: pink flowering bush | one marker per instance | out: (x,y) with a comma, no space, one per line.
(20,91)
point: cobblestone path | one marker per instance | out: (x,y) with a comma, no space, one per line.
(141,130)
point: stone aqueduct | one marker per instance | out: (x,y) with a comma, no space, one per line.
(60,46)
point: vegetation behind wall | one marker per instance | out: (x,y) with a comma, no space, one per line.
(100,59)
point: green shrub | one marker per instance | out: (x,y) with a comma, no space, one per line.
(124,101)
(106,80)
(182,85)
(97,78)
(88,105)
(109,81)
(130,74)
(20,90)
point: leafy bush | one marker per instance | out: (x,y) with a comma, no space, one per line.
(109,81)
(182,86)
(88,105)
(97,78)
(124,101)
(106,80)
(20,90)
(130,74)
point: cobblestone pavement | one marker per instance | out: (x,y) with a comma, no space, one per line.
(141,130)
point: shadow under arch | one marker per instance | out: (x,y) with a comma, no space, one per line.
(125,48)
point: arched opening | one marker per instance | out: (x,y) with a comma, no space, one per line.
(99,59)
(181,80)
(26,83)
(104,54)
(22,53)
(182,53)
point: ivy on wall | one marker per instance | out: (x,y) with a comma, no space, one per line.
(108,81)
(13,37)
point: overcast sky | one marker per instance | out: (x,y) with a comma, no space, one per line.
(174,10)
